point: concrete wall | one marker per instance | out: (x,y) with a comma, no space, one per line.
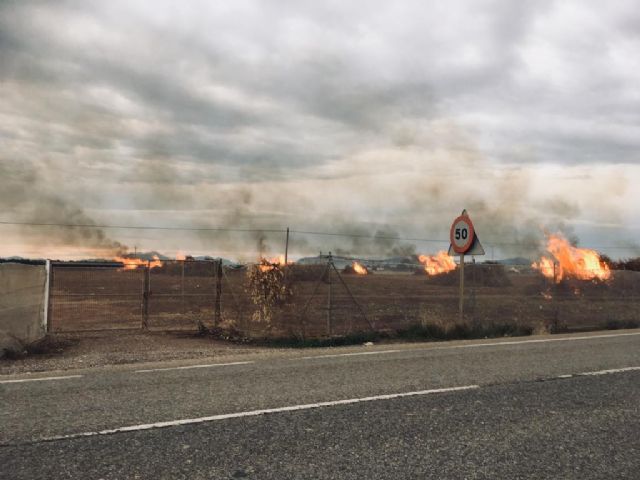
(22,301)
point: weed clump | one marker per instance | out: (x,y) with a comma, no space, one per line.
(269,290)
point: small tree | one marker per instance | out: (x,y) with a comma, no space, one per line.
(269,290)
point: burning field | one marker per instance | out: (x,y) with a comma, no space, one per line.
(565,261)
(437,264)
(356,268)
(567,287)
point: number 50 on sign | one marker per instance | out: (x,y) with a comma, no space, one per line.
(462,234)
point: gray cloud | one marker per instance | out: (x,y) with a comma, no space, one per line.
(373,116)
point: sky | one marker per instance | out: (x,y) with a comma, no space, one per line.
(369,118)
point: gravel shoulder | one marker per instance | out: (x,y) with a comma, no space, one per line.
(96,349)
(89,350)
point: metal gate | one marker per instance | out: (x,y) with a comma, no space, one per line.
(178,294)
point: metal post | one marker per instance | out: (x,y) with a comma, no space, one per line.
(286,249)
(474,284)
(182,288)
(217,316)
(330,297)
(461,306)
(353,298)
(46,317)
(145,296)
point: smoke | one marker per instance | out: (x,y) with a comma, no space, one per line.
(30,194)
(375,196)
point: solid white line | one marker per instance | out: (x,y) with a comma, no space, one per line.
(43,379)
(188,367)
(474,345)
(377,352)
(613,370)
(541,340)
(254,413)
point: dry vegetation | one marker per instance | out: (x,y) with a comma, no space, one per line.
(293,302)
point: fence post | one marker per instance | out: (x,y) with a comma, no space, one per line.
(182,289)
(146,293)
(46,316)
(330,298)
(217,317)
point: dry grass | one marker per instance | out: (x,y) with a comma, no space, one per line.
(391,301)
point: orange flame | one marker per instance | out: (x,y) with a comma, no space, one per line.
(133,262)
(359,268)
(439,263)
(571,262)
(180,255)
(267,264)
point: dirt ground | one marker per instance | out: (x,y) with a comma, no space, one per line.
(86,299)
(86,350)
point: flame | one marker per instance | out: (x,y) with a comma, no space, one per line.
(133,262)
(439,263)
(267,264)
(359,268)
(180,255)
(572,262)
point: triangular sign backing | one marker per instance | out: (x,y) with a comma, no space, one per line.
(476,247)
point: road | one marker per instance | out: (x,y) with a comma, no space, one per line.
(536,407)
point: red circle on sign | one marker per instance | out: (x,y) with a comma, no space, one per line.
(456,244)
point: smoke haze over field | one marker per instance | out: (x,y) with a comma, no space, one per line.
(379,119)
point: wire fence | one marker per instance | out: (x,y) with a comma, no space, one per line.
(173,295)
(331,299)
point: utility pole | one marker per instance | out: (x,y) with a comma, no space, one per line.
(286,249)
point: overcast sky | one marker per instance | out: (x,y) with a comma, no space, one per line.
(351,116)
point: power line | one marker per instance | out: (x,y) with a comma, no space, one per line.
(372,236)
(283,231)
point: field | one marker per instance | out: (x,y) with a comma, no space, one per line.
(98,298)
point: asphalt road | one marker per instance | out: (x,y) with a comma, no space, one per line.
(526,408)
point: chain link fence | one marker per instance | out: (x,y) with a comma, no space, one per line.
(324,300)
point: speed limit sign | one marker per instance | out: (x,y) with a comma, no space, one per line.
(462,234)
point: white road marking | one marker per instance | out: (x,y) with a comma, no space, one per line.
(188,367)
(353,354)
(541,340)
(254,413)
(476,345)
(613,370)
(43,379)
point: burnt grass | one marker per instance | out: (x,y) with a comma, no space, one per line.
(415,333)
(49,346)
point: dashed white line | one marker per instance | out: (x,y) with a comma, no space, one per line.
(352,354)
(474,345)
(188,367)
(254,413)
(598,372)
(42,379)
(612,370)
(542,340)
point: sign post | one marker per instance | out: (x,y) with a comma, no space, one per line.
(463,241)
